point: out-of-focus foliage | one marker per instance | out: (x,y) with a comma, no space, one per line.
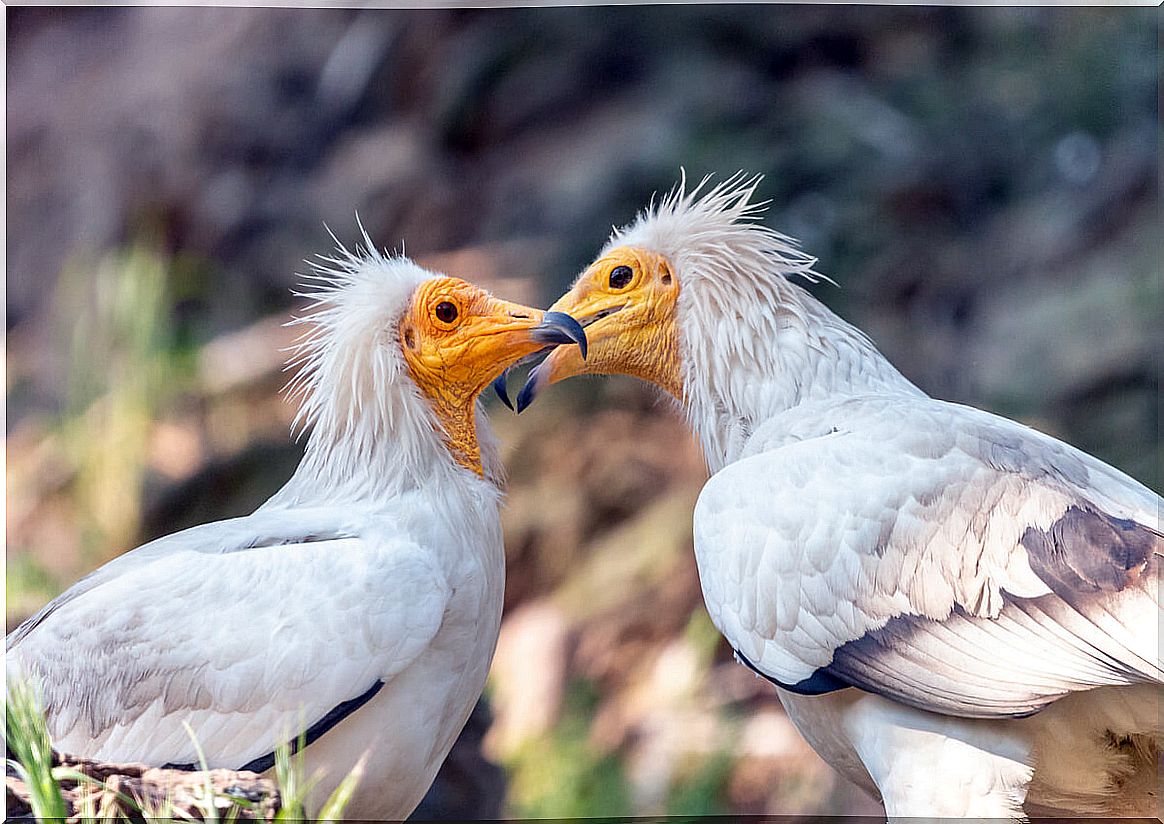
(981,182)
(111,314)
(560,775)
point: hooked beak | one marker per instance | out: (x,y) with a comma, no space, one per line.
(538,379)
(555,328)
(632,329)
(561,364)
(558,327)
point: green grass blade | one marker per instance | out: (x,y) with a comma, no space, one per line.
(86,810)
(206,802)
(290,776)
(28,739)
(333,808)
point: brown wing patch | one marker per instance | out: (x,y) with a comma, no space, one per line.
(1086,551)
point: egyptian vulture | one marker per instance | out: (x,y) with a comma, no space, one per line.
(958,612)
(360,605)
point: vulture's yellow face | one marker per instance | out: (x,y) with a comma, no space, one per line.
(457,338)
(627,300)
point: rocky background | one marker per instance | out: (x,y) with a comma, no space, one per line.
(981,182)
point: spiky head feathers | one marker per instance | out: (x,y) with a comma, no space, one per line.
(696,296)
(349,363)
(712,235)
(392,366)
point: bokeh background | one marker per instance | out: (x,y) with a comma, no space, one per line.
(982,183)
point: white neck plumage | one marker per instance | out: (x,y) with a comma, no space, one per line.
(387,447)
(745,366)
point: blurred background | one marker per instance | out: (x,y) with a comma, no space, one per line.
(982,183)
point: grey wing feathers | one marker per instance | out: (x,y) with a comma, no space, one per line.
(245,645)
(1099,619)
(234,535)
(986,667)
(991,568)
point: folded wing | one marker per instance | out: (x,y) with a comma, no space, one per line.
(944,557)
(300,620)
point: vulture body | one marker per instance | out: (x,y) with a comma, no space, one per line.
(359,607)
(959,613)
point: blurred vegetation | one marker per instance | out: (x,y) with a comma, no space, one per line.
(982,182)
(124,367)
(113,316)
(561,775)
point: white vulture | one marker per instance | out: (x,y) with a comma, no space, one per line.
(960,614)
(359,606)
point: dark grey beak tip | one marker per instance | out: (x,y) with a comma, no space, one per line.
(558,327)
(528,392)
(499,386)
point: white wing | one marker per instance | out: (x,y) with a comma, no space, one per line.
(939,555)
(252,630)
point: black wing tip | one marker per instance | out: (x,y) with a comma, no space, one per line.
(317,730)
(819,683)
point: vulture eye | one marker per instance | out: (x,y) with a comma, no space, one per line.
(446,312)
(620,276)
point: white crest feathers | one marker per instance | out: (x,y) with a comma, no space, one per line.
(753,343)
(346,357)
(369,429)
(716,235)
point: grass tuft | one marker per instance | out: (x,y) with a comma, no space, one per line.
(293,785)
(28,740)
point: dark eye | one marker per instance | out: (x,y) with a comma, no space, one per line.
(446,312)
(620,276)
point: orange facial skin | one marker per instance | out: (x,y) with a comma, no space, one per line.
(456,339)
(630,320)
